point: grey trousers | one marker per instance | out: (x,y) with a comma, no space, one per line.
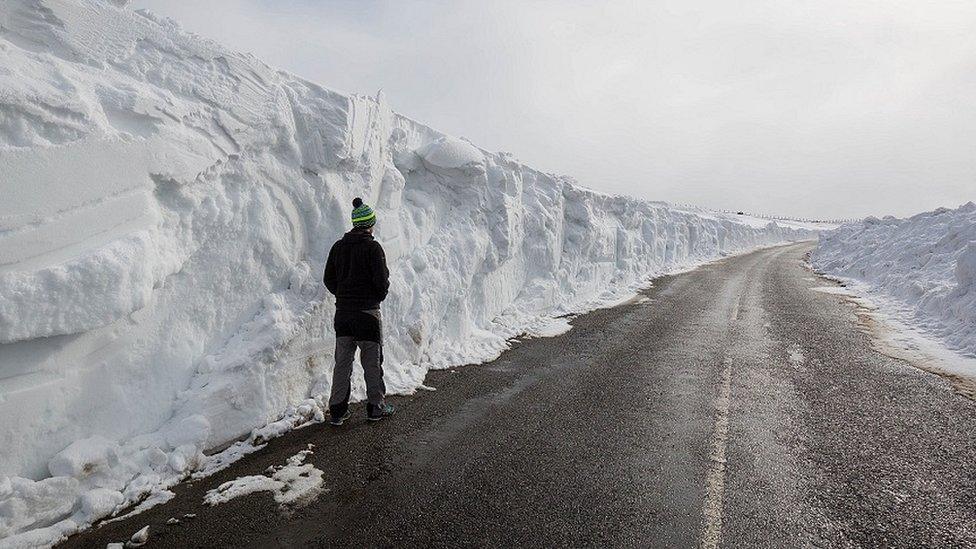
(371,356)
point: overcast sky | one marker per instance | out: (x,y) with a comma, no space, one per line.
(827,108)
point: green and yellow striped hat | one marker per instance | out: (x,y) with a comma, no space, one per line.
(362,215)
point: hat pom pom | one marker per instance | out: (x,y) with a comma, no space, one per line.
(357,202)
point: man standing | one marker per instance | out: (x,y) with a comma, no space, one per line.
(356,274)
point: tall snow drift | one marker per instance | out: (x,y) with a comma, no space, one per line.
(167,206)
(924,267)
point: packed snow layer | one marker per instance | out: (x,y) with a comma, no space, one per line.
(921,269)
(295,483)
(167,207)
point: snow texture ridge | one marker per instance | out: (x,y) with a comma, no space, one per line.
(167,207)
(922,268)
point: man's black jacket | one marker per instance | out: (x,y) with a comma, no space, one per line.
(356,272)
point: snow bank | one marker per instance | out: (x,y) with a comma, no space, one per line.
(922,269)
(167,206)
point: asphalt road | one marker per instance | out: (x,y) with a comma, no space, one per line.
(730,406)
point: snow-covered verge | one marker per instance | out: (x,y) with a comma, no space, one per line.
(167,206)
(920,270)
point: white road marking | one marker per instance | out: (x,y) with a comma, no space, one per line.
(715,480)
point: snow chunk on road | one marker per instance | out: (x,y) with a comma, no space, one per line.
(139,538)
(295,484)
(242,486)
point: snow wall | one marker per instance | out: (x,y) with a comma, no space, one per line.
(166,207)
(922,268)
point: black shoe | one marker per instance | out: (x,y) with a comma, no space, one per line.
(338,420)
(376,412)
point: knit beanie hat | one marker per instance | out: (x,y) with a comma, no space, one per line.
(362,215)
